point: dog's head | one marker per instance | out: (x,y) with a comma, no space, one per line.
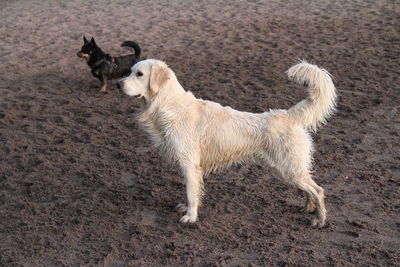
(88,49)
(148,78)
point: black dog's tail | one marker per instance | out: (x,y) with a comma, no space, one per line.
(133,45)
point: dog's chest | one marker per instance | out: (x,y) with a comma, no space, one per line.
(165,138)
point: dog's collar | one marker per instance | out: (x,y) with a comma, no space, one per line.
(113,64)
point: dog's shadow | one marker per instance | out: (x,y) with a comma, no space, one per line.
(155,194)
(137,186)
(55,82)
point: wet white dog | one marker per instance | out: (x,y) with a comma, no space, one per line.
(203,136)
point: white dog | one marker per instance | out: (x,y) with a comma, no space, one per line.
(203,136)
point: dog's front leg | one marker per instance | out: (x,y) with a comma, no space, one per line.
(103,80)
(194,182)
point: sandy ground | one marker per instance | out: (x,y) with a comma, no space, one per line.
(80,184)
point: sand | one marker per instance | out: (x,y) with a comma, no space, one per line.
(80,184)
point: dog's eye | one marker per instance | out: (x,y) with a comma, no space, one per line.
(139,74)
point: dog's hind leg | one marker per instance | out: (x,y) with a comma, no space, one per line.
(293,163)
(309,207)
(292,157)
(316,195)
(194,184)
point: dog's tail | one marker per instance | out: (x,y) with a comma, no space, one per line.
(321,100)
(133,45)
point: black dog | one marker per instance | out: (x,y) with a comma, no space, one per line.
(106,67)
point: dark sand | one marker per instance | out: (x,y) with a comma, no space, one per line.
(80,184)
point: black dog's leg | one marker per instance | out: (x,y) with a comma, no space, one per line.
(103,80)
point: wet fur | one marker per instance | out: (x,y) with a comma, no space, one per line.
(203,136)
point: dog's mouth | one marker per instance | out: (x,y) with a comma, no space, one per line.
(140,96)
(83,55)
(137,96)
(121,86)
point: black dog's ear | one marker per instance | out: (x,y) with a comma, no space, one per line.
(92,41)
(85,40)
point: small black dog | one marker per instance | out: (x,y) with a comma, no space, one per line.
(106,67)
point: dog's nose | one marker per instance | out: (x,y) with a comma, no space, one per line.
(119,85)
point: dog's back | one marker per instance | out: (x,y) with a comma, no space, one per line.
(121,66)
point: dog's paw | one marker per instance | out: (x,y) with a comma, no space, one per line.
(103,89)
(188,219)
(308,209)
(180,208)
(317,224)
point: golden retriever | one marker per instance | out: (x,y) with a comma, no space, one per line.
(203,136)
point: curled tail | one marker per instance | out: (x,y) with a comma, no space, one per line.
(133,45)
(321,100)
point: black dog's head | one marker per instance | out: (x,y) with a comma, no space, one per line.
(88,49)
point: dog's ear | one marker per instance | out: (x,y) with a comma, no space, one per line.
(92,41)
(160,74)
(85,40)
